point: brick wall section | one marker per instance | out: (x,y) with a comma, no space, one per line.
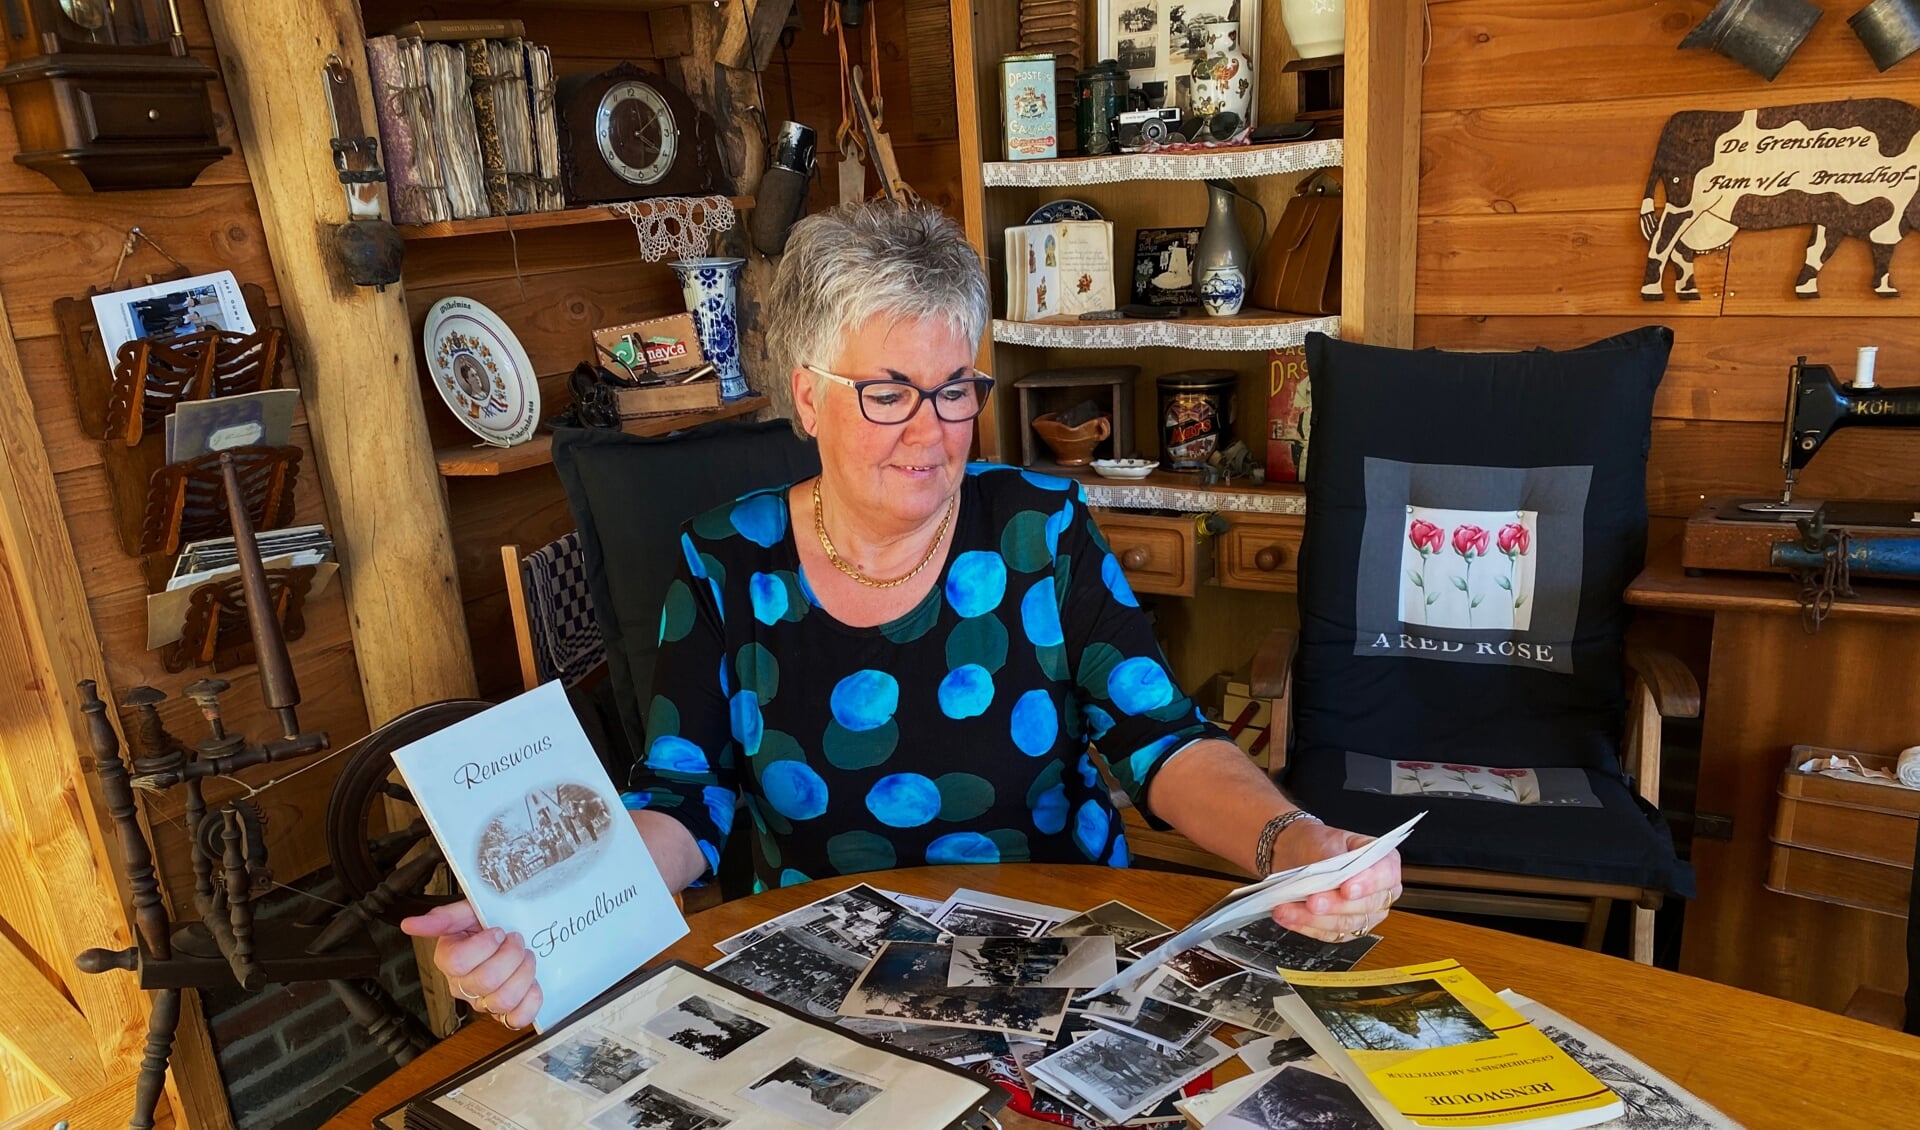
(290,1055)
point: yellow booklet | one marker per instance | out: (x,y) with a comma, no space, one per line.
(1430,1046)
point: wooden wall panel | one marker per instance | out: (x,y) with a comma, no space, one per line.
(1517,52)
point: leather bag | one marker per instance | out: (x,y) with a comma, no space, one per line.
(1300,266)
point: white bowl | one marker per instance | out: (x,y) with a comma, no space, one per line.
(1124,468)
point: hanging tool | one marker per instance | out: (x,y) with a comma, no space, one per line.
(367,247)
(862,137)
(880,147)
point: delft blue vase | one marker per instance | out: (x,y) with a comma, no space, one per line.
(711,287)
(1222,290)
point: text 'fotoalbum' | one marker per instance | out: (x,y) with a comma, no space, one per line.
(536,834)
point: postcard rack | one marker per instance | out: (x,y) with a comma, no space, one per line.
(185,502)
(157,375)
(216,630)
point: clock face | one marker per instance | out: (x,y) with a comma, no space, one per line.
(636,133)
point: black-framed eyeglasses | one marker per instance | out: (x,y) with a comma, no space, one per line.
(895,402)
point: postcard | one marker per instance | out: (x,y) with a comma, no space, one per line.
(250,419)
(857,919)
(167,609)
(171,309)
(1653,1101)
(1244,1000)
(1296,1098)
(1167,1026)
(1125,925)
(1267,946)
(1198,966)
(1109,1070)
(977,914)
(907,981)
(797,969)
(1047,963)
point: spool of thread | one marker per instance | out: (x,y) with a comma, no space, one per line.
(1863,366)
(1908,769)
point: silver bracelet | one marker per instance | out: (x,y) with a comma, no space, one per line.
(1263,852)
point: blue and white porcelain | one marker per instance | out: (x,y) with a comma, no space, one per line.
(1058,210)
(711,287)
(1222,290)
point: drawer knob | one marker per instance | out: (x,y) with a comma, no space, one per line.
(1267,560)
(1135,558)
(153,115)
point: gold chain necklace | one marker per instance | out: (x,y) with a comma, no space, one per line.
(833,555)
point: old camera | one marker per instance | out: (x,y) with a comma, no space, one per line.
(1134,129)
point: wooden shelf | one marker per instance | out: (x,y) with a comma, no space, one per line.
(1177,490)
(1242,161)
(532,221)
(1250,329)
(486,461)
(1665,585)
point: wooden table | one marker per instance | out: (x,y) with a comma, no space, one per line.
(1771,686)
(1766,1063)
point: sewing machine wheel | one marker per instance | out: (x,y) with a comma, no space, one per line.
(365,839)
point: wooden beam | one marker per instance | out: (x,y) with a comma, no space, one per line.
(354,349)
(44,1030)
(1382,173)
(47,645)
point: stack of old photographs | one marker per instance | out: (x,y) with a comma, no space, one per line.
(676,1048)
(993,985)
(306,545)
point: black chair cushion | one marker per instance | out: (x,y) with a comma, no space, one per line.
(1625,840)
(630,497)
(1473,520)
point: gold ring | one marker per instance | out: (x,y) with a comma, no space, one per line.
(1358,934)
(462,990)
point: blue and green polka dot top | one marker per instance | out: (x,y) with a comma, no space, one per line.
(957,733)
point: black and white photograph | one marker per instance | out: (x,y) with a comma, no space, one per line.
(1112,1073)
(170,309)
(908,981)
(958,1046)
(795,968)
(807,1092)
(1261,1052)
(705,1026)
(1266,945)
(1137,31)
(976,914)
(857,919)
(651,1108)
(1187,25)
(1047,963)
(1298,1099)
(1116,1004)
(1407,1016)
(593,1061)
(1163,266)
(1652,1101)
(1114,919)
(1244,1000)
(1198,966)
(1164,1025)
(540,841)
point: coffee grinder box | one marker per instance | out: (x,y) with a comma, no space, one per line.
(1026,103)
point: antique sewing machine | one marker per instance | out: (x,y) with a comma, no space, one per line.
(1834,537)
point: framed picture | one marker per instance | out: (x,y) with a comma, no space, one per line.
(169,309)
(1163,266)
(1158,40)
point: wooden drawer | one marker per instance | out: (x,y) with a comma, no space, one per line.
(119,113)
(1259,552)
(1878,887)
(1160,555)
(1875,823)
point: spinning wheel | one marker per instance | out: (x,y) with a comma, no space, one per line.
(372,845)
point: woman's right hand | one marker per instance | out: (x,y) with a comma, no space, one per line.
(490,968)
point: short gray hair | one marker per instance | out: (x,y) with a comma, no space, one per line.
(855,261)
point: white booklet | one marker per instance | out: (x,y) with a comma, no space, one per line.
(1256,901)
(1653,1101)
(536,833)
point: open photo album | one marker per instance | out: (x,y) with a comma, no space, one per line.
(677,1048)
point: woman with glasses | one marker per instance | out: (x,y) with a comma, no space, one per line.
(904,660)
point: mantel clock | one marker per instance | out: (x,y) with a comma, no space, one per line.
(105,95)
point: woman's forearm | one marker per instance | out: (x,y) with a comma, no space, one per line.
(1217,797)
(672,847)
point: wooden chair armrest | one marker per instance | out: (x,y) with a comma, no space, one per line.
(1676,694)
(1273,664)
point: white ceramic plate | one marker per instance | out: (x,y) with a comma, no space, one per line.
(1124,468)
(482,371)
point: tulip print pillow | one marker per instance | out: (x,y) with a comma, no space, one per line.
(1473,520)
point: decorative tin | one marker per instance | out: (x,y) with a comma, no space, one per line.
(1026,101)
(1196,416)
(1100,93)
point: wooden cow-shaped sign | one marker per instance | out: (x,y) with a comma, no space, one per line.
(1847,168)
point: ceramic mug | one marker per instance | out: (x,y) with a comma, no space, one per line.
(1222,290)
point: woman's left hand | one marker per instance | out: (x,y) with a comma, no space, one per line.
(1357,906)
